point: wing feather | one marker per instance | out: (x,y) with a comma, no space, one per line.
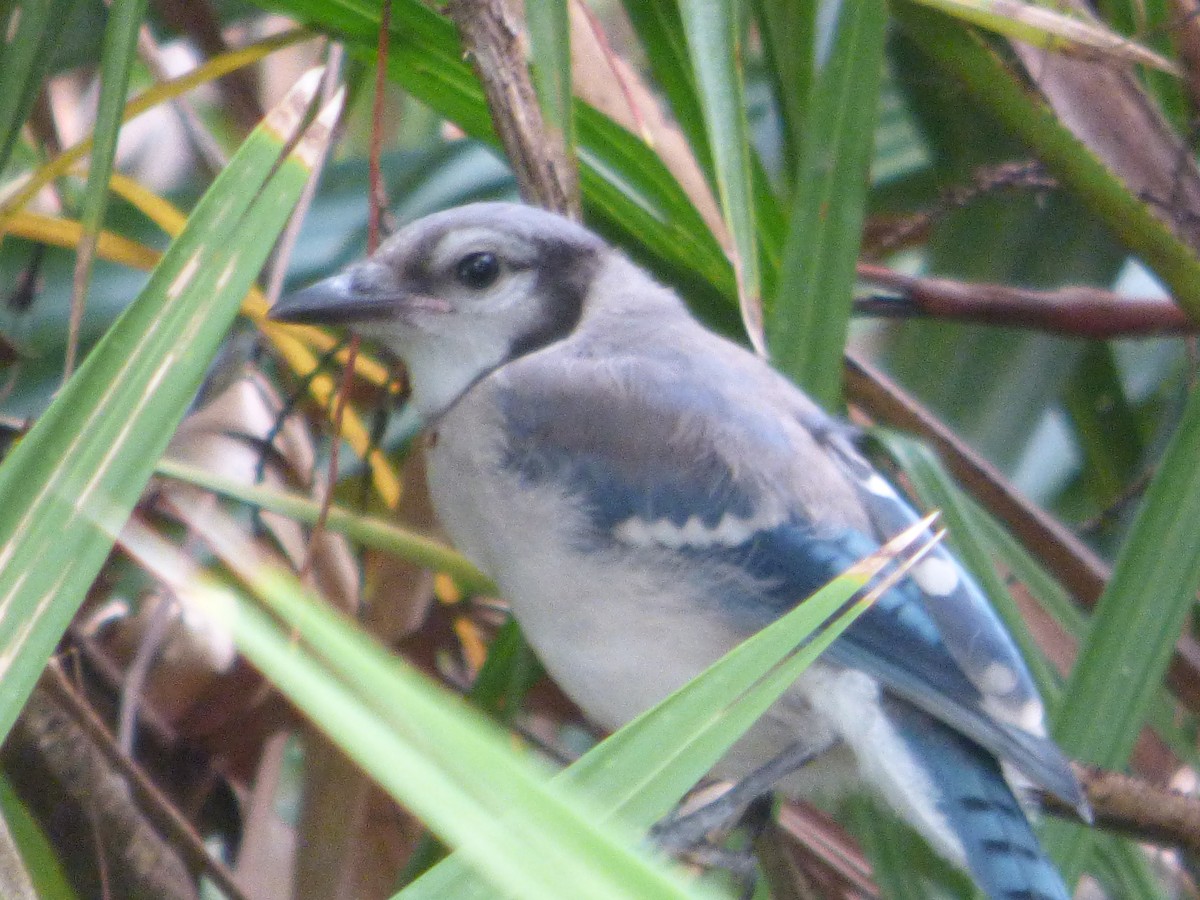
(671,458)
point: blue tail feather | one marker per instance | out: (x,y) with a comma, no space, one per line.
(1002,852)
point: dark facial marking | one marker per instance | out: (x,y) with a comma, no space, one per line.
(564,274)
(417,274)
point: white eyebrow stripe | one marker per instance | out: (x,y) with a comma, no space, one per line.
(457,243)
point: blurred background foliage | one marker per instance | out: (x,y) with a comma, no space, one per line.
(963,151)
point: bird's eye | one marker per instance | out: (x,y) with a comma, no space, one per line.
(478,270)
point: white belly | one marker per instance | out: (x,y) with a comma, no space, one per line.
(615,646)
(603,644)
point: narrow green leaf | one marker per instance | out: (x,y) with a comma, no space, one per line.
(903,864)
(550,45)
(630,191)
(811,314)
(507,674)
(29,32)
(772,232)
(116,61)
(1136,622)
(714,45)
(1125,869)
(1105,425)
(660,30)
(1051,30)
(790,41)
(1051,595)
(70,483)
(455,769)
(369,531)
(37,853)
(659,27)
(644,769)
(458,776)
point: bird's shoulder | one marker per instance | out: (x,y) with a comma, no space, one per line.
(717,457)
(670,426)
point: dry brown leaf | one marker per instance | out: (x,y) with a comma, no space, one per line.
(606,81)
(1104,105)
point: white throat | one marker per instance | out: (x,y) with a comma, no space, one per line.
(442,371)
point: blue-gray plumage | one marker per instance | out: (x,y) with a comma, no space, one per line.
(647,494)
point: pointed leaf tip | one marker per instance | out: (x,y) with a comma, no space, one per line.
(286,116)
(316,139)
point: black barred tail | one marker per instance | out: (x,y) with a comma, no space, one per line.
(1001,851)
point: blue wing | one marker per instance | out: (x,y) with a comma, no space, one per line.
(740,471)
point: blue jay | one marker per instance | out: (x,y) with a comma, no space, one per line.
(647,494)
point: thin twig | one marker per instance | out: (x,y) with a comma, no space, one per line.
(1128,495)
(618,74)
(378,203)
(205,146)
(1025,175)
(1072,311)
(137,676)
(1185,34)
(495,42)
(1137,808)
(84,255)
(238,89)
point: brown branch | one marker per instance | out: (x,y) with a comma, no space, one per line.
(205,147)
(496,45)
(1072,311)
(68,770)
(154,804)
(1129,495)
(1136,808)
(282,256)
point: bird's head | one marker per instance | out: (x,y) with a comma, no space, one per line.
(460,292)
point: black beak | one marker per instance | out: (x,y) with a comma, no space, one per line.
(334,301)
